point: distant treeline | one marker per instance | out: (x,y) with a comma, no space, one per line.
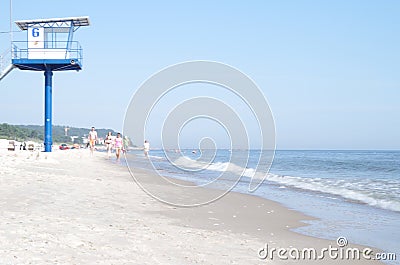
(36,133)
(14,132)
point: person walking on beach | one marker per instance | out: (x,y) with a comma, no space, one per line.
(118,145)
(92,139)
(146,148)
(109,143)
(126,144)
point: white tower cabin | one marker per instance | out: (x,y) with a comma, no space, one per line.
(49,42)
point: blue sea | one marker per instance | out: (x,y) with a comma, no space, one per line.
(355,194)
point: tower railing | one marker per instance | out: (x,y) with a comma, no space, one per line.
(48,50)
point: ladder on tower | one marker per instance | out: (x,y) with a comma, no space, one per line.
(5,64)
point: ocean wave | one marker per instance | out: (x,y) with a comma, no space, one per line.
(347,191)
(155,157)
(378,193)
(186,162)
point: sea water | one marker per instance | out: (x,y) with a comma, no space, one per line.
(355,194)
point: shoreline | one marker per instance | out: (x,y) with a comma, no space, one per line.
(316,191)
(73,208)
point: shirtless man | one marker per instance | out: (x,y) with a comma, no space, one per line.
(92,140)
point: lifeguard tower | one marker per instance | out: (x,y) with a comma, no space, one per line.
(49,47)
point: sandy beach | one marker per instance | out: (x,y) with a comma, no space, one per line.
(67,207)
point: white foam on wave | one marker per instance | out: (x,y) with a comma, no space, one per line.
(328,186)
(156,157)
(186,163)
(218,166)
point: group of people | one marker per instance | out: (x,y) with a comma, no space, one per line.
(120,144)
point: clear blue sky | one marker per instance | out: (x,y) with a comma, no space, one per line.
(329,69)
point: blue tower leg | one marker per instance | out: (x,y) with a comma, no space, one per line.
(48,95)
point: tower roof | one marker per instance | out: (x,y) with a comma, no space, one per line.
(54,22)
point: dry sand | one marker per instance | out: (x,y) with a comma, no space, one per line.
(66,207)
